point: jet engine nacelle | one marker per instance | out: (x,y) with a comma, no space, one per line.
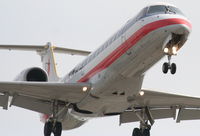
(34,74)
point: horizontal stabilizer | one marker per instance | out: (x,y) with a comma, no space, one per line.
(40,48)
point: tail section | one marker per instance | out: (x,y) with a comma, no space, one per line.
(47,55)
(48,62)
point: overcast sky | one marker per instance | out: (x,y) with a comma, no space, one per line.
(86,24)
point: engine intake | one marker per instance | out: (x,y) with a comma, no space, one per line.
(32,75)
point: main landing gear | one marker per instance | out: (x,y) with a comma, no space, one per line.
(53,125)
(145,131)
(146,121)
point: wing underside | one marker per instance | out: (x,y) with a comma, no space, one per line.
(38,97)
(158,105)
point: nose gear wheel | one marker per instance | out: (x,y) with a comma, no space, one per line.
(169,66)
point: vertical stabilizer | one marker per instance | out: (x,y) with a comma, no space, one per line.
(48,62)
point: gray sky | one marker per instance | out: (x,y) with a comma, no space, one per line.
(86,24)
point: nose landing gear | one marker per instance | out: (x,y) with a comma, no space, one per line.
(169,66)
(172,44)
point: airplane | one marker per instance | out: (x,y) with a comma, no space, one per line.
(108,82)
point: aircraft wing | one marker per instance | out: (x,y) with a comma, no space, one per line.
(38,96)
(159,105)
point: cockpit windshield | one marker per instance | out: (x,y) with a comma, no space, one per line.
(162,9)
(158,9)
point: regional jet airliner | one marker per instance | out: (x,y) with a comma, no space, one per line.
(108,81)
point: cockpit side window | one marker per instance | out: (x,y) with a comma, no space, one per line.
(174,10)
(141,14)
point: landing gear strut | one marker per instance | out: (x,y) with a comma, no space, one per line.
(145,127)
(53,125)
(172,44)
(142,131)
(169,66)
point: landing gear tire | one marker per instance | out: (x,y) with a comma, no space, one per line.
(173,68)
(146,132)
(57,130)
(48,127)
(136,132)
(165,68)
(168,65)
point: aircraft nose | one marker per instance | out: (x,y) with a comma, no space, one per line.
(179,30)
(181,25)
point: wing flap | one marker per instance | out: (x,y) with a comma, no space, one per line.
(163,105)
(4,100)
(33,104)
(188,114)
(130,116)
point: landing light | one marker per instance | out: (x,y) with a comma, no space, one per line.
(166,50)
(141,93)
(85,89)
(174,50)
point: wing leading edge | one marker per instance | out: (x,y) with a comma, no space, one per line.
(162,105)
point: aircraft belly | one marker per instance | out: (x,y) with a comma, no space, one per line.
(102,106)
(112,98)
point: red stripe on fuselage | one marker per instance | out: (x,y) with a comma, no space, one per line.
(138,35)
